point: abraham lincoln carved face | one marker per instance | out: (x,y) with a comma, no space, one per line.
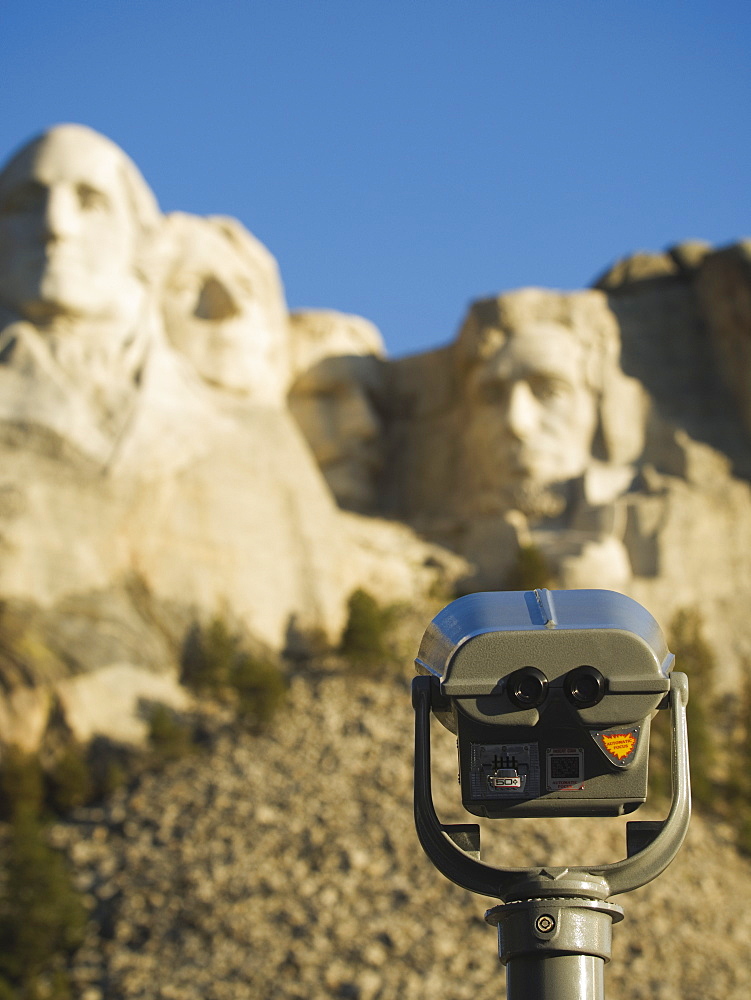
(542,399)
(533,414)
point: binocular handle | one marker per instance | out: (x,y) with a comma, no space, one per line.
(597,882)
(623,876)
(448,859)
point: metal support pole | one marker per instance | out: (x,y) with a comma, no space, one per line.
(555,949)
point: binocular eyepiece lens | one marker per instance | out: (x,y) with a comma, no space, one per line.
(527,687)
(584,687)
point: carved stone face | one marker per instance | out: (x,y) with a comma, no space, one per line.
(335,404)
(532,415)
(68,233)
(223,307)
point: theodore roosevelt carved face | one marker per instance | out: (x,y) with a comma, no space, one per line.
(74,211)
(337,400)
(336,405)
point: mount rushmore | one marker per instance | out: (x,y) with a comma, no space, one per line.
(177,445)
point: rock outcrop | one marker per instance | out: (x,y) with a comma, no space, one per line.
(176,445)
(146,443)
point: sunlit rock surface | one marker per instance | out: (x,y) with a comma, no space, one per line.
(176,445)
(146,443)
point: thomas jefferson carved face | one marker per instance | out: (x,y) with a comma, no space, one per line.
(68,229)
(223,307)
(532,415)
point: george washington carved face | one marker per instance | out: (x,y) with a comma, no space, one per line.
(73,209)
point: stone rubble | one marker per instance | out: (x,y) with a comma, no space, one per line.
(286,867)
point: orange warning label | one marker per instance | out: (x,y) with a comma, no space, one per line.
(620,745)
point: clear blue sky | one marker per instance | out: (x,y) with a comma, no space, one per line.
(403,158)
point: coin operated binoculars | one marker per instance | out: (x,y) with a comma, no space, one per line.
(550,695)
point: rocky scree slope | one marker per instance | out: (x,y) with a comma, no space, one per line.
(286,867)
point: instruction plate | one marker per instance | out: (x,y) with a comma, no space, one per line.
(504,770)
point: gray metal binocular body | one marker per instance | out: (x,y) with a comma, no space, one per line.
(550,694)
(576,713)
